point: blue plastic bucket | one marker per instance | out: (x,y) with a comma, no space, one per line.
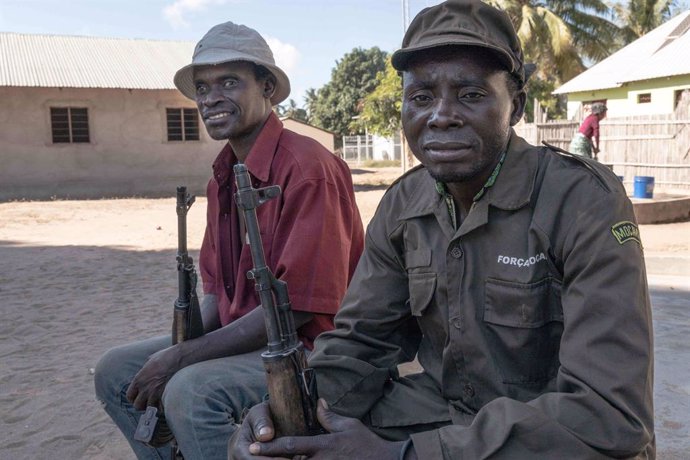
(643,187)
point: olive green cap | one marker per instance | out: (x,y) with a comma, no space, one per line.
(463,23)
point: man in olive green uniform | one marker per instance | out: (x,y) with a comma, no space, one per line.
(514,273)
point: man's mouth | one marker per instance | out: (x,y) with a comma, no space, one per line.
(218,116)
(445,146)
(446,150)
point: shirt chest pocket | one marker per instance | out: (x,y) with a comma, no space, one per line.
(421,280)
(423,301)
(523,327)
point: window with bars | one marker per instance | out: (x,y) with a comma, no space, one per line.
(69,125)
(183,124)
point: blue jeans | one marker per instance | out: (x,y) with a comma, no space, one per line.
(203,402)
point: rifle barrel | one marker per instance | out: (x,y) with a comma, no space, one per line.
(248,199)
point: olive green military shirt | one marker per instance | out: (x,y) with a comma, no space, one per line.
(531,320)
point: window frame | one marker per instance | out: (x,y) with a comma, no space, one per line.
(644,98)
(187,121)
(73,128)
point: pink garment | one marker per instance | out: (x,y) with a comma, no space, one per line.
(590,128)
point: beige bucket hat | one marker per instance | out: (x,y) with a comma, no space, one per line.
(230,42)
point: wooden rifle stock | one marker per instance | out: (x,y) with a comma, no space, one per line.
(291,384)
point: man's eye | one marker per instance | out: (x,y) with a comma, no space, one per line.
(201,89)
(229,83)
(470,95)
(421,98)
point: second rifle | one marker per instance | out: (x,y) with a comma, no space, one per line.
(152,428)
(291,383)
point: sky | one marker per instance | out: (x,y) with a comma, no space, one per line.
(307,36)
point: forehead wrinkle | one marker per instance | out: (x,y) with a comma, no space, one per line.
(459,79)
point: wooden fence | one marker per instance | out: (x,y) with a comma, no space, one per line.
(657,146)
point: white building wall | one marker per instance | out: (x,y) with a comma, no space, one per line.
(322,137)
(128,155)
(384,148)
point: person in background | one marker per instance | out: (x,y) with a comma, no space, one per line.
(514,274)
(312,235)
(586,139)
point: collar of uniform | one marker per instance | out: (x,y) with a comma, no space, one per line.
(423,199)
(260,156)
(512,190)
(442,190)
(515,184)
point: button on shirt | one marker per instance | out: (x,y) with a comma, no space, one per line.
(312,232)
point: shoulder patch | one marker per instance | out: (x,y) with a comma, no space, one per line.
(625,231)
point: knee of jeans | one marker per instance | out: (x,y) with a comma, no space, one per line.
(105,374)
(101,377)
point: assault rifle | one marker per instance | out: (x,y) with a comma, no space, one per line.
(187,324)
(291,384)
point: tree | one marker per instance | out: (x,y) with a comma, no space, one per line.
(353,77)
(541,90)
(637,17)
(291,110)
(557,34)
(310,98)
(590,26)
(381,108)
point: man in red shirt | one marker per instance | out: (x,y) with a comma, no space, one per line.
(312,236)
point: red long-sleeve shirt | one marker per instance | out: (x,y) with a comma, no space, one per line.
(312,233)
(590,128)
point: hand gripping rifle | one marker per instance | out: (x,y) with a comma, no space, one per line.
(291,384)
(187,324)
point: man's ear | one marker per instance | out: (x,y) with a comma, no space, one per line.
(519,101)
(269,86)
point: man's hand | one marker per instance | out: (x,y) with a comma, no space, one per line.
(256,426)
(347,438)
(146,388)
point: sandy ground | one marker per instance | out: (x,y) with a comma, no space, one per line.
(79,277)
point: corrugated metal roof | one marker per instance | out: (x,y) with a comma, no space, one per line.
(90,62)
(663,52)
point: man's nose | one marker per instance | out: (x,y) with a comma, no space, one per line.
(445,114)
(213,96)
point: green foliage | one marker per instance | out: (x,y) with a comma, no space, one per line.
(559,36)
(541,89)
(310,99)
(589,22)
(291,110)
(637,17)
(333,106)
(381,108)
